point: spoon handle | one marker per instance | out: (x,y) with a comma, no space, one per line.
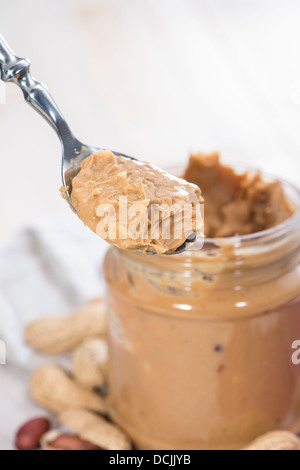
(17,70)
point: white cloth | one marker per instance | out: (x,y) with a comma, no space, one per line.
(47,268)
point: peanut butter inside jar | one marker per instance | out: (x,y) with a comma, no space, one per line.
(201,342)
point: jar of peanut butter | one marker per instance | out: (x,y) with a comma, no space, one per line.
(201,342)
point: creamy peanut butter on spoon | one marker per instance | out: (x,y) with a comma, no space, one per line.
(135,205)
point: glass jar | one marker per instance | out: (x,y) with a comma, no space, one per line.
(201,342)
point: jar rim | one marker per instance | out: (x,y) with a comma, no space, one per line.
(262,235)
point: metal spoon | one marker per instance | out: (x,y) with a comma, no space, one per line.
(16,70)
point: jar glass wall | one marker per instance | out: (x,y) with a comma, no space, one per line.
(200,343)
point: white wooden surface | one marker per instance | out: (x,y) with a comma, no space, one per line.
(155,79)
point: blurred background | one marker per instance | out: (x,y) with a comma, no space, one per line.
(156,79)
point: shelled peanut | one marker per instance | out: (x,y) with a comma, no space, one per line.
(30,433)
(54,440)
